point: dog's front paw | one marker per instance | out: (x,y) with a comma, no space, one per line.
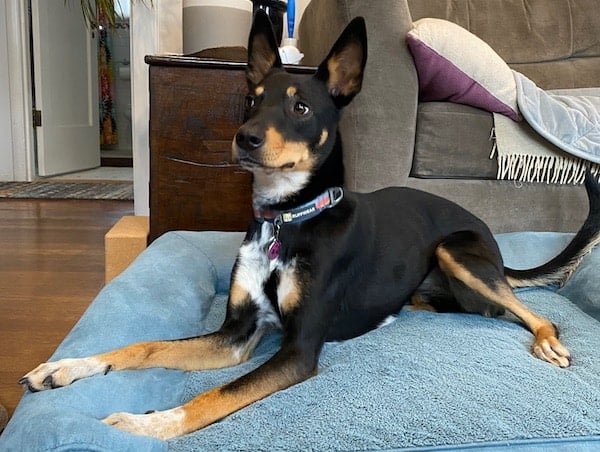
(61,373)
(158,424)
(552,350)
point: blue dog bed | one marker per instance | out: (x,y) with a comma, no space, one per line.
(447,381)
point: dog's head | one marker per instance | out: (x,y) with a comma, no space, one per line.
(292,119)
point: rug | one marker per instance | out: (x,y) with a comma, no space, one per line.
(110,190)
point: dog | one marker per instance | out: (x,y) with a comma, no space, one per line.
(321,263)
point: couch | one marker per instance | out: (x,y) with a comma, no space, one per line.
(391,138)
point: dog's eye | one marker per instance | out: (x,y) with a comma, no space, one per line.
(301,108)
(250,102)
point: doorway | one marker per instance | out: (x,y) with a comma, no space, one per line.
(114,68)
(81,91)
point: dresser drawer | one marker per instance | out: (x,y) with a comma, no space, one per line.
(193,196)
(194,114)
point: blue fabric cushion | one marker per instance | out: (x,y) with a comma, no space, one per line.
(438,380)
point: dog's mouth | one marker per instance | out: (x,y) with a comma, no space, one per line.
(249,162)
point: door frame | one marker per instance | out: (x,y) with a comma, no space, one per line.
(21,99)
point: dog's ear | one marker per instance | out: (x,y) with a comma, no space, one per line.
(343,68)
(263,54)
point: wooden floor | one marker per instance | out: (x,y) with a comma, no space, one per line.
(51,267)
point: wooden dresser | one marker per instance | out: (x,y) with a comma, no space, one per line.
(196,107)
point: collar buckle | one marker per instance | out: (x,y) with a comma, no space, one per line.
(336,194)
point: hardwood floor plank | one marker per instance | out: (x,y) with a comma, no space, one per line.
(51,268)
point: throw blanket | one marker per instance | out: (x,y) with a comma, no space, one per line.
(558,140)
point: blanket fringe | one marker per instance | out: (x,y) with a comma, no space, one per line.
(492,138)
(548,169)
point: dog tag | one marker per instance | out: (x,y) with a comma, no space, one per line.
(274,248)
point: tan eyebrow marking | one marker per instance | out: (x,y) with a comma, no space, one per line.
(291,91)
(323,139)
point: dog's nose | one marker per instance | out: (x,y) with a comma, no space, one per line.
(249,140)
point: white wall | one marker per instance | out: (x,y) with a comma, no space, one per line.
(154,30)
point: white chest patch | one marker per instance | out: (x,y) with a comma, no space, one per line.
(254,269)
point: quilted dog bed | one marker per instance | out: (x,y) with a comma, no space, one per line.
(440,381)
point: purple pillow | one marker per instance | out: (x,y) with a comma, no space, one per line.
(455,65)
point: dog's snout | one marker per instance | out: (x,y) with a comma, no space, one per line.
(249,140)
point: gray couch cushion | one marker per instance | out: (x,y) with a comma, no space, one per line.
(562,45)
(453,142)
(573,73)
(565,30)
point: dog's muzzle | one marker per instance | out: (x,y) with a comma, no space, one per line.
(247,145)
(248,140)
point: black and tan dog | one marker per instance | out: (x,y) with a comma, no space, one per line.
(321,263)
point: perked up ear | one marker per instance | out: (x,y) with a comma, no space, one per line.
(263,54)
(343,68)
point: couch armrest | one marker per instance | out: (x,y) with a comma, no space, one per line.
(378,127)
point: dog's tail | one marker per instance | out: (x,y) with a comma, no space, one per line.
(559,269)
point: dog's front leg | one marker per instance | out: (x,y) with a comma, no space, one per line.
(205,352)
(229,346)
(289,366)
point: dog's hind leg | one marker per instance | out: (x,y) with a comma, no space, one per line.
(437,294)
(475,276)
